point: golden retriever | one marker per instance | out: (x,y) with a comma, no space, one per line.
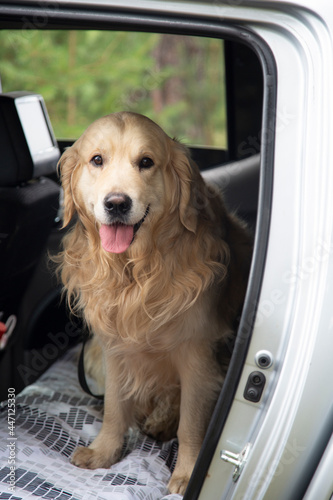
(157,268)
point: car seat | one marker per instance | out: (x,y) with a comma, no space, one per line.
(29,203)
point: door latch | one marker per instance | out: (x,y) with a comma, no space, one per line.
(237,459)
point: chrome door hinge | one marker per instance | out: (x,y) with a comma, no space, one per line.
(237,459)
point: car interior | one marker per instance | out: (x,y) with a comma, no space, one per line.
(41,339)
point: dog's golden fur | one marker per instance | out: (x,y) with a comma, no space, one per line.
(161,309)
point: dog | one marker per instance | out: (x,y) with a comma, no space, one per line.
(158,269)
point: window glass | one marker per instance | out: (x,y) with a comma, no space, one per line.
(178,81)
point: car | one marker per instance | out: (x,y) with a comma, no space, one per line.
(247,85)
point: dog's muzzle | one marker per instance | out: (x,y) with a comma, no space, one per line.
(117,235)
(117,206)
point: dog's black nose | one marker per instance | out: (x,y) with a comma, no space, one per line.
(117,203)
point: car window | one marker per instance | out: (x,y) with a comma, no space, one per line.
(178,81)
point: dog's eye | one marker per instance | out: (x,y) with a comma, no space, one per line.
(97,161)
(146,162)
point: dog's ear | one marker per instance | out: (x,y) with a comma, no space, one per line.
(66,166)
(183,170)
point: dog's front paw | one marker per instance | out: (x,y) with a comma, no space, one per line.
(178,484)
(88,458)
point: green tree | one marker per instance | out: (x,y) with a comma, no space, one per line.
(176,80)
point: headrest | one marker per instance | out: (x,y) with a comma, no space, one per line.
(27,142)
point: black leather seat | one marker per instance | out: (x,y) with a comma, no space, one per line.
(29,203)
(239,182)
(27,214)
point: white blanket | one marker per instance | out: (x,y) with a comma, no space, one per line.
(51,418)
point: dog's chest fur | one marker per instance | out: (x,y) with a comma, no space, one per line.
(128,319)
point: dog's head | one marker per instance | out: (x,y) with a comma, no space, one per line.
(124,174)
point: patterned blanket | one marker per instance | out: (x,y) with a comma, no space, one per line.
(40,428)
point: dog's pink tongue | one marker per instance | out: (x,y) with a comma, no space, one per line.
(116,238)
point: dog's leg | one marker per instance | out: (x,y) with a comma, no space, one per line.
(201,381)
(162,422)
(106,448)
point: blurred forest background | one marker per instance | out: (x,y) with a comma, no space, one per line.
(178,81)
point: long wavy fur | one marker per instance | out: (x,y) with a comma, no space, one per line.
(162,308)
(161,278)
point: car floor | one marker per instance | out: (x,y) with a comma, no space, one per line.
(53,416)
